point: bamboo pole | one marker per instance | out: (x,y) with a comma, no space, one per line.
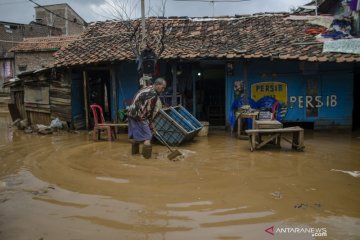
(86,102)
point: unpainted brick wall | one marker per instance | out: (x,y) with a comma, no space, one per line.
(33,60)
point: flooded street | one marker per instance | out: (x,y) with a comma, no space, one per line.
(65,186)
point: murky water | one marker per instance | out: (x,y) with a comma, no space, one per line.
(65,186)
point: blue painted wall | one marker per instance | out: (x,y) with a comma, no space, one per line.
(333,79)
(335,89)
(127,82)
(77,94)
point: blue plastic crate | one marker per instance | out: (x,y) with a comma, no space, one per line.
(170,130)
(179,119)
(189,117)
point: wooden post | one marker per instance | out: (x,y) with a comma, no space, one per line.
(246,82)
(174,87)
(86,102)
(194,91)
(114,105)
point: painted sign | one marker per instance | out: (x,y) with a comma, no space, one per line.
(277,90)
(312,101)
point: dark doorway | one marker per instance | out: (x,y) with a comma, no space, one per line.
(210,95)
(99,90)
(356,101)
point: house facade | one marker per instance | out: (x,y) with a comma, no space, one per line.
(10,35)
(206,60)
(39,92)
(209,64)
(50,20)
(62,16)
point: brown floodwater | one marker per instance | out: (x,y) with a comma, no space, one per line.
(65,186)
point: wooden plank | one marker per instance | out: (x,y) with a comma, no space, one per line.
(66,90)
(296,143)
(34,105)
(113,92)
(59,94)
(268,124)
(267,140)
(241,116)
(19,101)
(17,89)
(39,118)
(37,110)
(36,95)
(60,98)
(85,79)
(14,112)
(279,130)
(65,111)
(60,101)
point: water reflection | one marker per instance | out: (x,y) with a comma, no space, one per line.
(6,133)
(65,186)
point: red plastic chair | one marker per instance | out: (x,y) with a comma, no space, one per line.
(100,125)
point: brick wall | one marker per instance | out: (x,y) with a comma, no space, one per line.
(75,25)
(13,32)
(32,61)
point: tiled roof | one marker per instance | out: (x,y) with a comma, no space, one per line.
(44,43)
(256,36)
(10,32)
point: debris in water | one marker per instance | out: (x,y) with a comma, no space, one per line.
(276,195)
(305,205)
(115,180)
(301,205)
(352,173)
(184,154)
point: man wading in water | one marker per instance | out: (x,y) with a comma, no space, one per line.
(140,115)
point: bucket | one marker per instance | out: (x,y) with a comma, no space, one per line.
(205,130)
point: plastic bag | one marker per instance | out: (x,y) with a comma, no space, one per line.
(122,115)
(56,123)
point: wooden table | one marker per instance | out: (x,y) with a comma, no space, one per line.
(267,124)
(297,141)
(244,115)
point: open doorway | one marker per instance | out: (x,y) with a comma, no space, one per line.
(210,94)
(356,96)
(99,90)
